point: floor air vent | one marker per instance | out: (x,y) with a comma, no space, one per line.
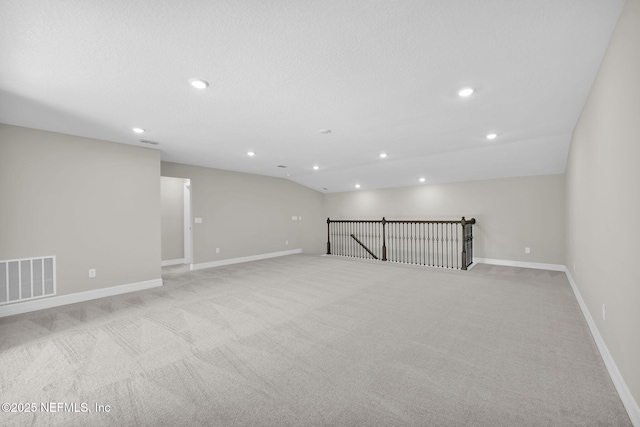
(28,278)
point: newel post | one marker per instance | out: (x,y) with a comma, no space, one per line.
(384,240)
(328,236)
(463,222)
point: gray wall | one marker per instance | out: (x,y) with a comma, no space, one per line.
(603,198)
(172,217)
(511,213)
(93,204)
(245,214)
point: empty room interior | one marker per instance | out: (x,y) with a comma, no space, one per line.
(320,213)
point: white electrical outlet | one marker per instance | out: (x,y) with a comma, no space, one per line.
(92,272)
(286,242)
(574,267)
(604,312)
(527,250)
(217,250)
(294,218)
(300,218)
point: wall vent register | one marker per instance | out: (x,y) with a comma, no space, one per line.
(27,279)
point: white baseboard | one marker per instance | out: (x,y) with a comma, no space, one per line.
(169,262)
(220,263)
(57,301)
(625,394)
(523,264)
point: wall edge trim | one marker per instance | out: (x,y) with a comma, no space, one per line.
(626,397)
(60,300)
(176,261)
(220,263)
(522,264)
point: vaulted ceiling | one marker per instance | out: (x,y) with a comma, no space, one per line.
(382,76)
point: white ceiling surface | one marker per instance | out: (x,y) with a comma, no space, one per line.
(383,75)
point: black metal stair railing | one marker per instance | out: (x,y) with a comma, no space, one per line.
(441,243)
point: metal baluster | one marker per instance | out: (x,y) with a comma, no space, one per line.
(360,233)
(410,227)
(421,244)
(424,240)
(393,241)
(440,244)
(436,242)
(428,243)
(404,242)
(413,243)
(345,242)
(392,233)
(451,231)
(407,242)
(357,233)
(377,238)
(394,256)
(370,236)
(457,247)
(351,248)
(366,239)
(447,228)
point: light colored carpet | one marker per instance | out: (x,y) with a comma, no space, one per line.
(310,340)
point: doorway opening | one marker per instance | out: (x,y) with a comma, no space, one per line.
(177,237)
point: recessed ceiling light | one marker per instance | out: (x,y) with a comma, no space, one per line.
(250,153)
(492,136)
(199,84)
(316,168)
(325,131)
(422,180)
(357,185)
(465,91)
(138,130)
(383,155)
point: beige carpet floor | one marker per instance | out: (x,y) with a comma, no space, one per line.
(310,340)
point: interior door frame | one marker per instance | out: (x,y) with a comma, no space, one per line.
(188,232)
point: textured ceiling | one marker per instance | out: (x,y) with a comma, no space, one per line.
(383,75)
